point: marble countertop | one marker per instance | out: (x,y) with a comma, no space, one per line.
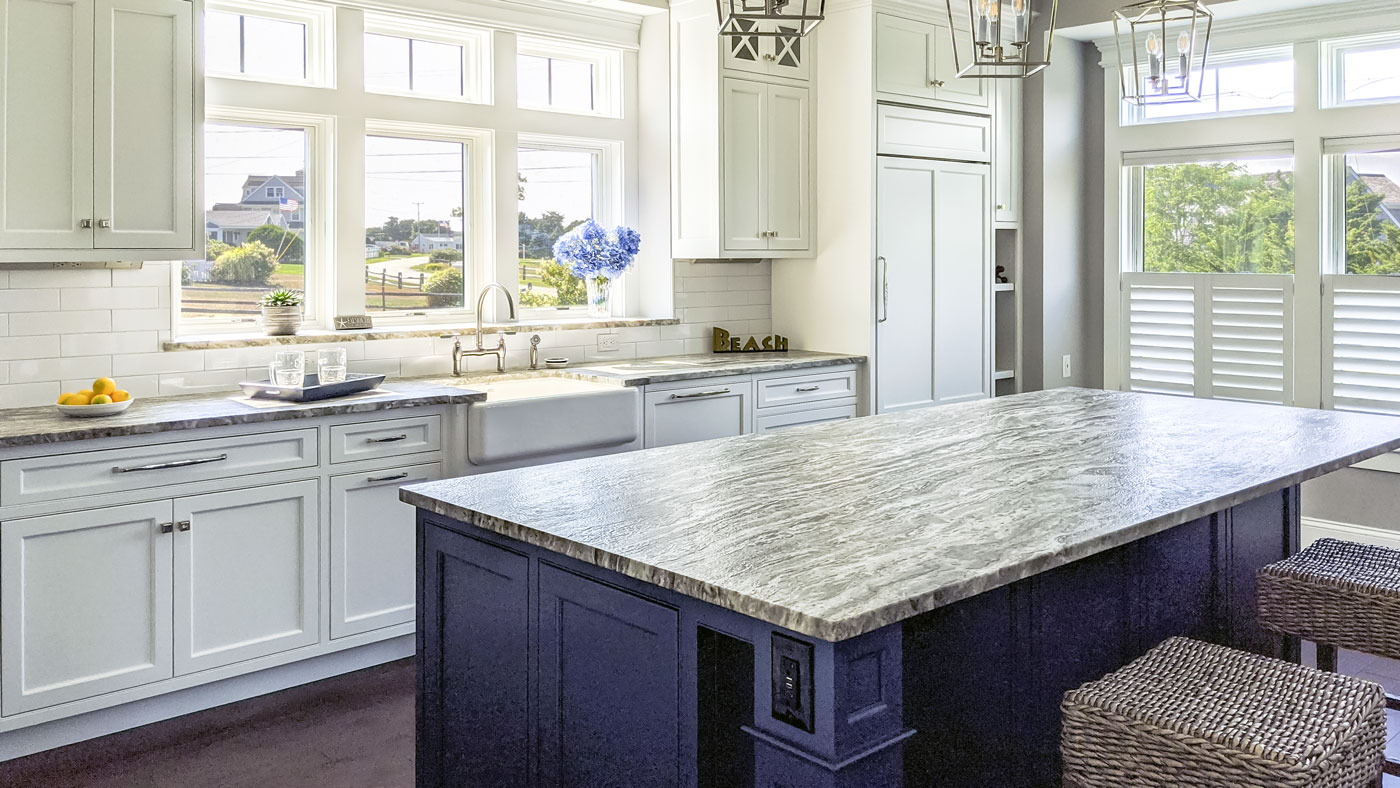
(45,425)
(667,369)
(835,530)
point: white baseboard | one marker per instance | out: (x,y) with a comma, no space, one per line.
(58,733)
(1315,528)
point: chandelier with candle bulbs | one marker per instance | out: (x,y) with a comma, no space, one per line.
(1163,46)
(995,38)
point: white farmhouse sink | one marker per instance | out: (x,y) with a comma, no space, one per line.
(550,418)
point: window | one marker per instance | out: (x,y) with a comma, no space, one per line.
(1370,213)
(559,189)
(415,239)
(254,46)
(1228,216)
(1233,84)
(409,65)
(255,240)
(1364,70)
(566,78)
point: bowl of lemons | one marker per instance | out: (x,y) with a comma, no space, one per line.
(103,399)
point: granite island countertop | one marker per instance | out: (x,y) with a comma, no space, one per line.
(45,425)
(836,530)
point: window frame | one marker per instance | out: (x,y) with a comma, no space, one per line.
(318,236)
(478,215)
(1136,115)
(1334,171)
(319,21)
(607,199)
(607,73)
(476,48)
(1333,85)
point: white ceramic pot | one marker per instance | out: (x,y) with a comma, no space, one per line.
(281,321)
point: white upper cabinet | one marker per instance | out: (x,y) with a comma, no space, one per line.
(914,59)
(1006,162)
(774,56)
(767,202)
(99,104)
(787,150)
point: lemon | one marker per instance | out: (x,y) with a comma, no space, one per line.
(104,386)
(101,399)
(63,398)
(86,394)
(121,395)
(78,399)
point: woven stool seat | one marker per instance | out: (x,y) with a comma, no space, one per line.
(1195,715)
(1339,593)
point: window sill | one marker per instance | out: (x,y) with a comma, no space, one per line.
(315,336)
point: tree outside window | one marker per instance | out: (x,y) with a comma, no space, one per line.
(1222,217)
(1372,243)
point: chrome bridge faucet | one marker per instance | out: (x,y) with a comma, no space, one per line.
(499,351)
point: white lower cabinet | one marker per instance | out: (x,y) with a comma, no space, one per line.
(373,565)
(768,422)
(247,574)
(718,408)
(85,601)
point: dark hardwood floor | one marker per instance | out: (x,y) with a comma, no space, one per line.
(351,731)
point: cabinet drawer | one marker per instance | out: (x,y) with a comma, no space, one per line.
(930,134)
(836,384)
(719,408)
(352,442)
(117,470)
(767,422)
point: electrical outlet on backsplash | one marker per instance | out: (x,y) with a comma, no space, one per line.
(61,329)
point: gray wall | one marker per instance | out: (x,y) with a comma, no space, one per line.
(1063,219)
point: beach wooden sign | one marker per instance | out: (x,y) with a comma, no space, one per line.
(726,342)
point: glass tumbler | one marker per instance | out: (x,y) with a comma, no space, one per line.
(288,368)
(330,365)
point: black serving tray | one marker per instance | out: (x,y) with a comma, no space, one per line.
(311,389)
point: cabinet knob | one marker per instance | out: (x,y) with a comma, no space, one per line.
(183,525)
(104,223)
(166,528)
(85,224)
(1001,207)
(769,57)
(935,83)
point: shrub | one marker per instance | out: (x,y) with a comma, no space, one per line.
(213,248)
(250,264)
(286,245)
(445,256)
(445,289)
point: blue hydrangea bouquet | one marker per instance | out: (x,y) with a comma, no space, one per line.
(598,257)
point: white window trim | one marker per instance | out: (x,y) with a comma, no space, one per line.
(607,197)
(318,236)
(476,48)
(607,73)
(319,20)
(1135,115)
(1334,172)
(478,244)
(1333,78)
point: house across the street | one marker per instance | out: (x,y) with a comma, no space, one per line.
(233,225)
(423,242)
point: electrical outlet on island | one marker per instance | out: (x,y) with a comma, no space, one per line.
(607,342)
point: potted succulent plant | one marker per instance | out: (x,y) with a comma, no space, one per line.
(281,312)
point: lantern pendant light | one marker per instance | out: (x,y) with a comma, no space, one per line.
(1163,46)
(994,38)
(784,19)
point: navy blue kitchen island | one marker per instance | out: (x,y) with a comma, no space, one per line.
(893,601)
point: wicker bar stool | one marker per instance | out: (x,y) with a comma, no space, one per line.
(1338,595)
(1195,715)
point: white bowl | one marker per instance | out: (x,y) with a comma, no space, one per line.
(93,411)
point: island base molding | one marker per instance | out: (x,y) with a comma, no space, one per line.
(539,670)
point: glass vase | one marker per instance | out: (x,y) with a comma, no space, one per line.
(599,296)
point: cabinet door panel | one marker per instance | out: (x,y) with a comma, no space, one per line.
(247,579)
(1007,155)
(904,285)
(719,410)
(904,52)
(85,604)
(951,88)
(745,112)
(372,558)
(788,194)
(609,685)
(145,124)
(45,124)
(961,283)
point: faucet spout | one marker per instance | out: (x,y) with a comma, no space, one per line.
(481,301)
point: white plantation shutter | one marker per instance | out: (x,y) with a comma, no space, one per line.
(1228,336)
(1362,314)
(1161,338)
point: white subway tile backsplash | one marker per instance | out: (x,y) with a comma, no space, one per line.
(85,368)
(54,279)
(159,363)
(110,298)
(665,347)
(398,348)
(149,275)
(110,343)
(140,319)
(35,323)
(427,365)
(12,348)
(4,372)
(4,325)
(28,300)
(200,382)
(26,395)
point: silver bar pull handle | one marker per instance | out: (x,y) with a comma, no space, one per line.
(806,389)
(699,394)
(376,479)
(394,439)
(161,466)
(884,288)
